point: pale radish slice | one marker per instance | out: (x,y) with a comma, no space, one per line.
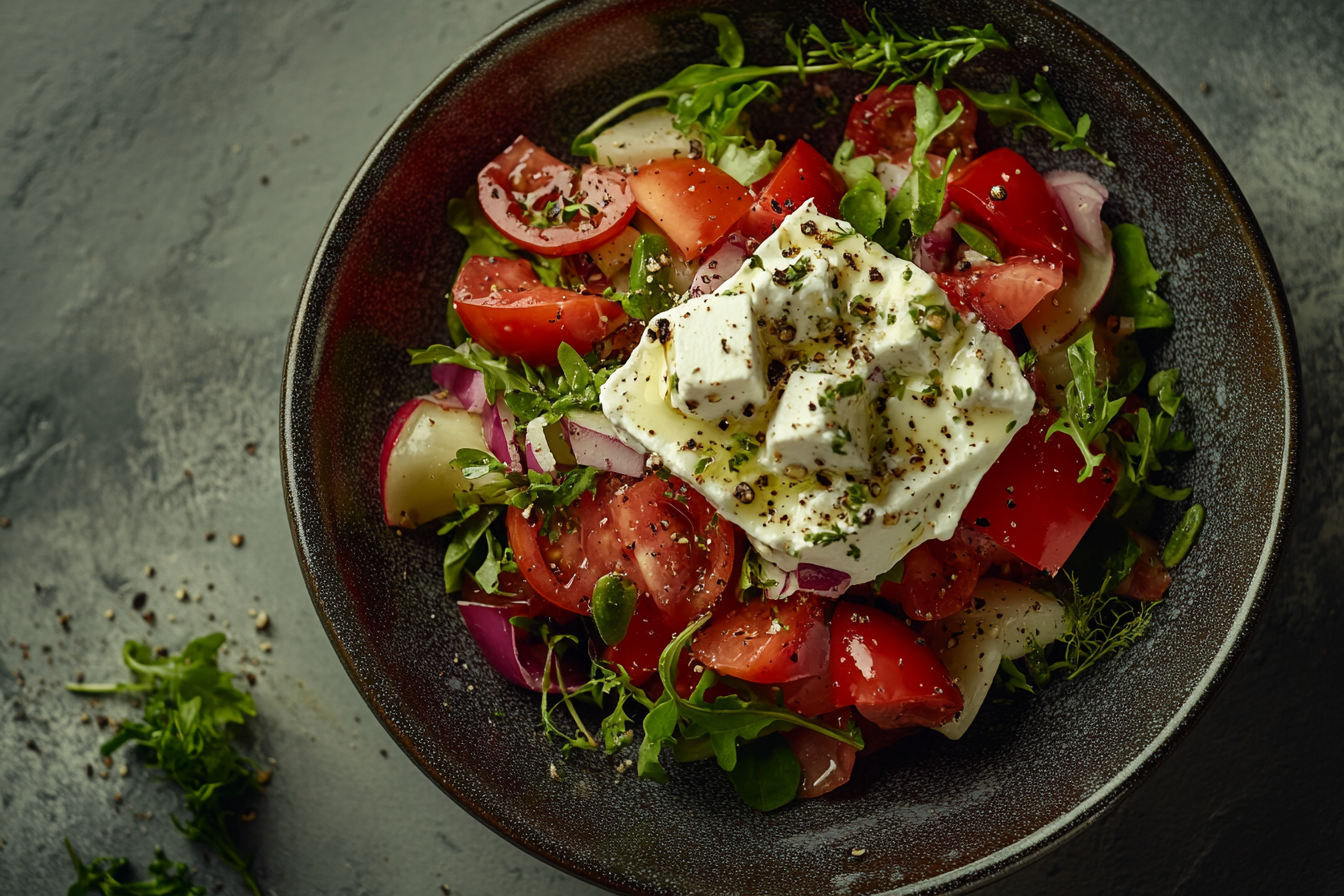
(721,264)
(1006,620)
(641,138)
(595,444)
(417,478)
(1050,322)
(497,425)
(1080,198)
(537,449)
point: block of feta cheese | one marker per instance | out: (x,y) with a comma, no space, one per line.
(715,357)
(826,398)
(820,423)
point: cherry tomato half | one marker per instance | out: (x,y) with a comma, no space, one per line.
(682,560)
(692,201)
(528,194)
(657,533)
(826,762)
(1031,502)
(1002,294)
(766,641)
(881,667)
(938,581)
(801,175)
(506,309)
(882,123)
(643,644)
(1002,194)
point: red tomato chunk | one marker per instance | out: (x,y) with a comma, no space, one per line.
(883,669)
(1031,502)
(692,201)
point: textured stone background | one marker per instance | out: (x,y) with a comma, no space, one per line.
(167,169)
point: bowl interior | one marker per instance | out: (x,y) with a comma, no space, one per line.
(931,814)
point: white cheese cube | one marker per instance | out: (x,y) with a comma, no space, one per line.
(821,424)
(796,296)
(717,362)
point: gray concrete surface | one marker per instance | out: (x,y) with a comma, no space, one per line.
(167,168)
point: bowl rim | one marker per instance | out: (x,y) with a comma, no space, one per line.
(1016,855)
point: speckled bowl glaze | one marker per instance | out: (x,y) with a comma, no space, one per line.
(930,815)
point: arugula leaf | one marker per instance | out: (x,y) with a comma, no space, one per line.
(189,707)
(1011,677)
(500,375)
(651,290)
(864,204)
(1132,292)
(746,164)
(1133,366)
(979,241)
(893,575)
(918,206)
(169,878)
(613,606)
(754,576)
(767,773)
(1152,436)
(1038,108)
(730,47)
(468,527)
(1086,412)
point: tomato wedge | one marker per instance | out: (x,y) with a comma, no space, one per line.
(657,533)
(1150,578)
(681,559)
(693,202)
(528,194)
(810,696)
(506,309)
(1002,294)
(882,123)
(766,641)
(801,175)
(643,644)
(938,581)
(1031,502)
(580,547)
(881,667)
(826,762)
(1002,194)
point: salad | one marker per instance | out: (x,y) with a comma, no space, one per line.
(773,458)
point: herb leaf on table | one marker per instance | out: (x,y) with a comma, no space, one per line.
(190,705)
(169,878)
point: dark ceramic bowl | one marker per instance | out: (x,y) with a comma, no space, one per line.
(932,815)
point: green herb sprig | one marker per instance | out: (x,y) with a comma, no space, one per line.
(101,875)
(713,97)
(191,708)
(1087,411)
(1037,108)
